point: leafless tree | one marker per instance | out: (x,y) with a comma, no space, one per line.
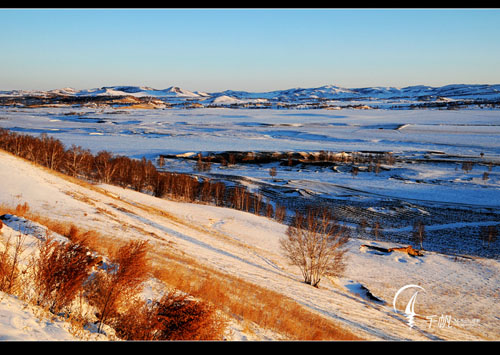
(257,203)
(489,234)
(219,192)
(161,161)
(206,190)
(272,172)
(316,243)
(376,230)
(419,233)
(280,213)
(104,166)
(53,152)
(76,159)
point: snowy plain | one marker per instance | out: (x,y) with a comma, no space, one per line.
(430,146)
(467,134)
(461,292)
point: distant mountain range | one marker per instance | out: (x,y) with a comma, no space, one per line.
(328,96)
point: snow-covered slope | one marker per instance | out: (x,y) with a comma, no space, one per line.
(462,291)
(326,92)
(22,322)
(138,91)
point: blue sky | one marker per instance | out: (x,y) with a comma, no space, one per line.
(247,49)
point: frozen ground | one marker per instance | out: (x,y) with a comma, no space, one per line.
(151,132)
(426,182)
(459,301)
(460,276)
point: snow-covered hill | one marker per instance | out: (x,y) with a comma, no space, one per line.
(459,301)
(293,95)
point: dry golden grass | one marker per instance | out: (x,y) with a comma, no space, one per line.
(233,296)
(10,273)
(245,300)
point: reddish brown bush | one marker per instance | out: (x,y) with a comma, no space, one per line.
(21,210)
(60,271)
(111,290)
(179,318)
(9,264)
(173,317)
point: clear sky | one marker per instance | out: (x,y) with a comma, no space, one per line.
(247,49)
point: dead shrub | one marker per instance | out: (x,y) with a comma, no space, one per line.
(116,287)
(180,318)
(174,317)
(21,210)
(87,238)
(60,271)
(9,264)
(137,323)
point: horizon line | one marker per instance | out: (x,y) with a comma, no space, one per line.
(255,91)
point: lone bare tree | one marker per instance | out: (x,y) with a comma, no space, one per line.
(489,234)
(316,243)
(273,172)
(418,233)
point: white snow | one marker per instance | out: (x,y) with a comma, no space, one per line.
(224,99)
(22,322)
(462,290)
(379,96)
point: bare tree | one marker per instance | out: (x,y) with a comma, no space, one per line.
(376,229)
(104,166)
(76,159)
(280,213)
(419,233)
(53,152)
(219,192)
(161,161)
(257,203)
(273,172)
(489,234)
(316,243)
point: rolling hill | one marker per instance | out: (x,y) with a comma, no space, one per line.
(329,95)
(234,245)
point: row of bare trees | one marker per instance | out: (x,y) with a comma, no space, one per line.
(138,174)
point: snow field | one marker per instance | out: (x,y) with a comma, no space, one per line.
(247,246)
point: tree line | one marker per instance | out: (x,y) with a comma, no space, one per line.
(137,174)
(317,244)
